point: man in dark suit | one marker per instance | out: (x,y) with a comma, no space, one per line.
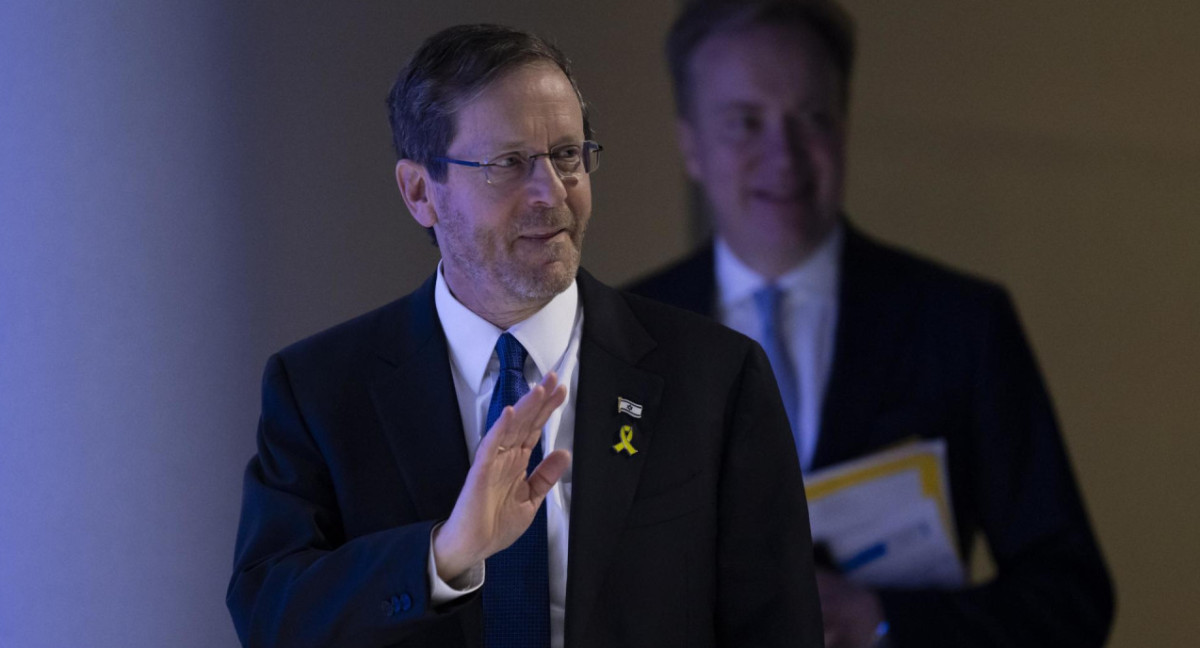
(873,347)
(667,508)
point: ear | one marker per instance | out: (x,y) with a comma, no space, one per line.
(413,180)
(689,146)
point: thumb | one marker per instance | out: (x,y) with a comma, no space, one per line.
(547,474)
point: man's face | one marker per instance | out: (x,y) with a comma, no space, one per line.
(508,246)
(764,139)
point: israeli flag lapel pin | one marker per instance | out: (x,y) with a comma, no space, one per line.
(626,406)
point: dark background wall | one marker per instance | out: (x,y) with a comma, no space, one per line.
(186,187)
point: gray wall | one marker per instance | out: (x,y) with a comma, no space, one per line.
(186,187)
(126,377)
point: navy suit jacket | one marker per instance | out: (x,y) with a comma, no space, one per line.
(924,352)
(699,539)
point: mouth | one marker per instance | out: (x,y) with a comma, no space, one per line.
(543,235)
(776,200)
(777,197)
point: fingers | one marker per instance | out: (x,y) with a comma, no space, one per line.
(547,474)
(533,410)
(554,399)
(520,425)
(511,428)
(500,436)
(536,406)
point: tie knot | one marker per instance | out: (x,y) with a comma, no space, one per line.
(510,353)
(767,300)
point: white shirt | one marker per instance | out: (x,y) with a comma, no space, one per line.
(551,337)
(809,311)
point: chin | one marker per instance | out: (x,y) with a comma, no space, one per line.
(778,223)
(545,282)
(801,222)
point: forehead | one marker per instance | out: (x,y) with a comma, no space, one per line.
(763,63)
(530,106)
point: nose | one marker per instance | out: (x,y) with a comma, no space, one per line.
(544,186)
(787,144)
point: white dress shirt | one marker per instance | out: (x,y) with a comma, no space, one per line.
(809,312)
(551,337)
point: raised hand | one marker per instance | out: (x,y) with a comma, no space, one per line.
(497,503)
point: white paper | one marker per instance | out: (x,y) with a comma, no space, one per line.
(886,518)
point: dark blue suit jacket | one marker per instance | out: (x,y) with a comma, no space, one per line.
(699,539)
(925,352)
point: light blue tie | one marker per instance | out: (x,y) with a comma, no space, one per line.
(516,589)
(774,341)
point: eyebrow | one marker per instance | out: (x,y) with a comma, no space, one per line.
(513,145)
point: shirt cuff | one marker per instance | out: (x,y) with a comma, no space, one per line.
(442,592)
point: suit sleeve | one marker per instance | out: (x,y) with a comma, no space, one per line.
(1051,587)
(767,594)
(297,581)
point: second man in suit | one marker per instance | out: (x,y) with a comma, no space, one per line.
(872,346)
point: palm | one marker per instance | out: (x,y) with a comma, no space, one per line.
(498,502)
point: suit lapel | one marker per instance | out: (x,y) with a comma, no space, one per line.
(418,407)
(603,480)
(873,318)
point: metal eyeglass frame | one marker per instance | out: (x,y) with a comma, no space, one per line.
(587,146)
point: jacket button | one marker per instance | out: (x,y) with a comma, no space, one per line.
(386,607)
(405,602)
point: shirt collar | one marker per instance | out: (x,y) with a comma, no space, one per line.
(472,339)
(818,274)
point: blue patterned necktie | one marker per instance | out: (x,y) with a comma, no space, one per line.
(516,589)
(774,341)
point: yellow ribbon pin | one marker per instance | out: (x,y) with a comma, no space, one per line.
(626,437)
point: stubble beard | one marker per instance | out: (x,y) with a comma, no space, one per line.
(517,276)
(556,270)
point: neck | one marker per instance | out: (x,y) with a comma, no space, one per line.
(505,318)
(771,263)
(770,259)
(501,313)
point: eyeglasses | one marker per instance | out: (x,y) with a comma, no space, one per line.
(568,160)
